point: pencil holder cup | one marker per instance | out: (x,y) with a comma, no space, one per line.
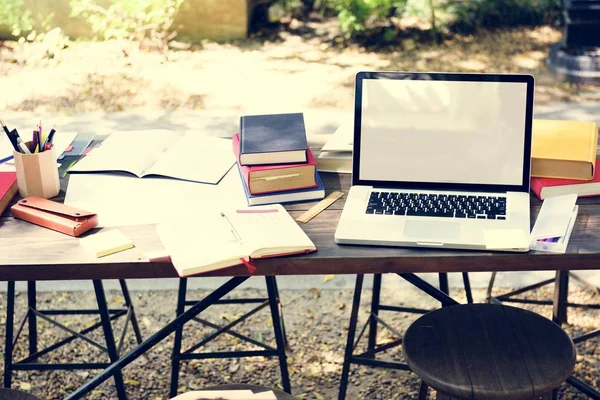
(37,174)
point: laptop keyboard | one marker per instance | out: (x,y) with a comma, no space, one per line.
(437,205)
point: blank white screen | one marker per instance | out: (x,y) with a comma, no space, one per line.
(443,131)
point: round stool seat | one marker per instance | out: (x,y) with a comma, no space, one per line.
(12,394)
(489,351)
(279,394)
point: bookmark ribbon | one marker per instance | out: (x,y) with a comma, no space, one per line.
(249,265)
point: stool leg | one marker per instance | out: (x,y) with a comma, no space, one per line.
(277,328)
(31,317)
(8,345)
(444,287)
(350,340)
(129,305)
(375,300)
(488,297)
(561,294)
(467,284)
(553,395)
(109,337)
(177,340)
(423,391)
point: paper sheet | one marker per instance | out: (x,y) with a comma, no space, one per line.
(342,138)
(132,151)
(196,157)
(554,216)
(121,199)
(226,394)
(505,239)
(61,141)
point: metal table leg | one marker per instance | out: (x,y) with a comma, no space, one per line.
(110,338)
(279,335)
(156,338)
(8,340)
(350,338)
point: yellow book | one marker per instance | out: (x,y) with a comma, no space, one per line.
(564,149)
(105,243)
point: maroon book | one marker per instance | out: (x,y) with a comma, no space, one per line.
(8,189)
(277,177)
(548,187)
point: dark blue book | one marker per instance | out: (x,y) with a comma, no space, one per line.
(289,196)
(273,139)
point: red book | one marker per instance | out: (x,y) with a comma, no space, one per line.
(548,187)
(276,178)
(8,189)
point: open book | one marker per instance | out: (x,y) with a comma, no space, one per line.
(193,156)
(224,239)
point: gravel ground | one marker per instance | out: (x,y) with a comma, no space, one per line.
(316,323)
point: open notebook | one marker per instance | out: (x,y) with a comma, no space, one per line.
(232,237)
(193,156)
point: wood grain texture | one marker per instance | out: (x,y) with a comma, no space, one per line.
(31,252)
(486,351)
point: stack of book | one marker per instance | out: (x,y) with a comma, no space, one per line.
(274,160)
(563,158)
(336,154)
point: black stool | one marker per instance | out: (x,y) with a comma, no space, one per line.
(12,394)
(488,351)
(112,348)
(268,351)
(369,357)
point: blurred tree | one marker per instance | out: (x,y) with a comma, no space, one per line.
(138,20)
(16,16)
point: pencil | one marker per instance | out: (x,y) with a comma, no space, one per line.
(4,127)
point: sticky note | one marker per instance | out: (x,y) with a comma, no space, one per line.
(505,239)
(105,243)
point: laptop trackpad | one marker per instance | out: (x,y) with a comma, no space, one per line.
(432,230)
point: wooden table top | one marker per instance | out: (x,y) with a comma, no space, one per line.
(29,252)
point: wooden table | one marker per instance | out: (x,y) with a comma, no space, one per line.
(28,252)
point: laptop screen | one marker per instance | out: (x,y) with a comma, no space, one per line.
(444,131)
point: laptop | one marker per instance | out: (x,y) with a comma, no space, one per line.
(440,160)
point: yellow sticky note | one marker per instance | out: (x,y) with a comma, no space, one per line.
(505,239)
(104,243)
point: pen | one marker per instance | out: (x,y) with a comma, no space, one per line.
(50,136)
(35,141)
(20,142)
(233,230)
(48,139)
(11,136)
(4,127)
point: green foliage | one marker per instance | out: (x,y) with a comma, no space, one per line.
(136,20)
(14,15)
(472,14)
(359,15)
(356,16)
